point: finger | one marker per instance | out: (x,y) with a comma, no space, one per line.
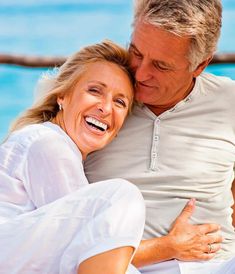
(214,238)
(206,256)
(211,238)
(209,228)
(187,211)
(212,248)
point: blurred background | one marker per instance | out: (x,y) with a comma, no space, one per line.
(61,27)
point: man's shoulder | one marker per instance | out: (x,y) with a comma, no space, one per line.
(220,88)
(213,81)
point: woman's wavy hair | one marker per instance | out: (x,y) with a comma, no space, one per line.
(61,83)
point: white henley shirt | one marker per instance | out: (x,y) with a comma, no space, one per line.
(186,152)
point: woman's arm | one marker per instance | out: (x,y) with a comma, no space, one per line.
(185,242)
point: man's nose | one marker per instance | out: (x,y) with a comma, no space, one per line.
(142,71)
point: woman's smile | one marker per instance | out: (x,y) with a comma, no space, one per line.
(96,125)
(96,108)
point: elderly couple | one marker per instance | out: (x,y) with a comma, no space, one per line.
(177,146)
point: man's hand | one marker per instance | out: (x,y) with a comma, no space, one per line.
(193,242)
(184,242)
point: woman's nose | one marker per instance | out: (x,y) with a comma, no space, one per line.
(105,106)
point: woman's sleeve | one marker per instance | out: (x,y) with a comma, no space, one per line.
(53,169)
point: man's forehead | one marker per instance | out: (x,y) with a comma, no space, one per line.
(149,37)
(160,46)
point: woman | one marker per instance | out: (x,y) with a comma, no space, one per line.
(51,220)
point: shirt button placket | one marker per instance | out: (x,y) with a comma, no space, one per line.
(154,149)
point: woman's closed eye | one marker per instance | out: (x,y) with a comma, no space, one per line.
(94,90)
(121,102)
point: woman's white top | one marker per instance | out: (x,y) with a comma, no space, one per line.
(51,219)
(36,169)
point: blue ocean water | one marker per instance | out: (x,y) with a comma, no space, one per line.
(60,27)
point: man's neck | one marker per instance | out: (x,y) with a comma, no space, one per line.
(159,109)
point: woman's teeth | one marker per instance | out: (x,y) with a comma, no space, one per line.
(95,123)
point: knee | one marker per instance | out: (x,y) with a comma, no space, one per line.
(129,190)
(123,204)
(130,197)
(123,195)
(125,188)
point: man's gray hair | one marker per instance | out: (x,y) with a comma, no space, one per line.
(198,19)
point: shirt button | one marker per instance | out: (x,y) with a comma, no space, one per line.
(157,120)
(156,138)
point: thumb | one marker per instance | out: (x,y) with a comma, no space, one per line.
(187,211)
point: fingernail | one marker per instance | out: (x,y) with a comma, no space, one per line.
(191,201)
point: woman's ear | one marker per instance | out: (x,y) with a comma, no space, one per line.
(202,66)
(60,101)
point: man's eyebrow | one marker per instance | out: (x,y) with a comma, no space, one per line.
(163,63)
(159,62)
(134,47)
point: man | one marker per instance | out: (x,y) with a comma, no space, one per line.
(180,142)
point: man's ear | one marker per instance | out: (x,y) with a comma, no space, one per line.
(202,66)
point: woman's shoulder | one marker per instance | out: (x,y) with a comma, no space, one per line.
(45,138)
(16,146)
(32,133)
(35,135)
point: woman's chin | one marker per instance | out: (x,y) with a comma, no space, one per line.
(90,146)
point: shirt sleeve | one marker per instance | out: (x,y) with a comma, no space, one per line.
(53,169)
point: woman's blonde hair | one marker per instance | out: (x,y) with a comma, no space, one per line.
(200,20)
(63,82)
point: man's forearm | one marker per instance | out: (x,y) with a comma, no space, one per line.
(153,251)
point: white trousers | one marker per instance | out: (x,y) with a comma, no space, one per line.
(56,238)
(177,267)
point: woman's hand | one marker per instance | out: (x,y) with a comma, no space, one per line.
(189,242)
